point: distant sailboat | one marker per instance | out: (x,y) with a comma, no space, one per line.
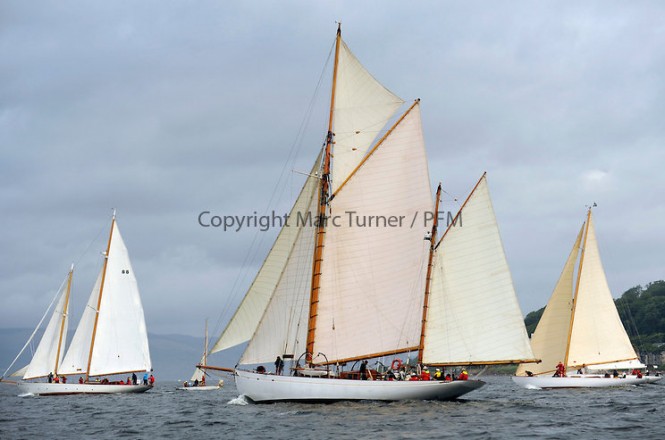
(111,338)
(580,327)
(337,289)
(198,379)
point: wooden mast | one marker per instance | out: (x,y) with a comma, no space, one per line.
(428,282)
(99,299)
(65,311)
(577,289)
(323,204)
(205,347)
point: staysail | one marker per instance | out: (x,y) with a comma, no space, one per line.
(288,250)
(550,339)
(50,351)
(76,359)
(472,293)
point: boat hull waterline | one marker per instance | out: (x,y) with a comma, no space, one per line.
(54,389)
(579,381)
(200,388)
(270,388)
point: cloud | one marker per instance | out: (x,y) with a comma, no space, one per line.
(165,110)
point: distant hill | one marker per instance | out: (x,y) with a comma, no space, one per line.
(642,311)
(173,356)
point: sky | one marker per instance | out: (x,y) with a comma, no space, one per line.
(163,110)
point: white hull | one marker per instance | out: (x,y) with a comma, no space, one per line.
(576,381)
(270,388)
(54,389)
(205,388)
(648,379)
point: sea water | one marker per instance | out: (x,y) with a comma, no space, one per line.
(500,410)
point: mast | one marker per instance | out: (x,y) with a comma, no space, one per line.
(65,311)
(428,282)
(205,347)
(323,203)
(577,288)
(99,299)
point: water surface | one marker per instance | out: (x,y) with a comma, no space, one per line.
(500,410)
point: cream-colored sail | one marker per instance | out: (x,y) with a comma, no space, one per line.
(283,327)
(373,272)
(473,315)
(76,359)
(550,339)
(51,348)
(121,339)
(20,372)
(362,108)
(246,319)
(597,335)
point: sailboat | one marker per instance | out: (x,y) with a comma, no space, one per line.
(350,278)
(197,381)
(111,338)
(580,328)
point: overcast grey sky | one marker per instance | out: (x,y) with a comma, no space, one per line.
(165,109)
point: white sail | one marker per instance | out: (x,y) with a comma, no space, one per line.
(373,276)
(362,108)
(121,339)
(283,327)
(51,348)
(246,319)
(473,314)
(199,373)
(550,339)
(76,358)
(597,335)
(20,372)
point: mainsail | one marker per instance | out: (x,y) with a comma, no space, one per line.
(121,343)
(597,335)
(373,272)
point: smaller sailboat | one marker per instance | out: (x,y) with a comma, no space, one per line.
(111,338)
(581,332)
(198,380)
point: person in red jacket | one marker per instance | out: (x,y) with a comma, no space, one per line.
(152,379)
(463,375)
